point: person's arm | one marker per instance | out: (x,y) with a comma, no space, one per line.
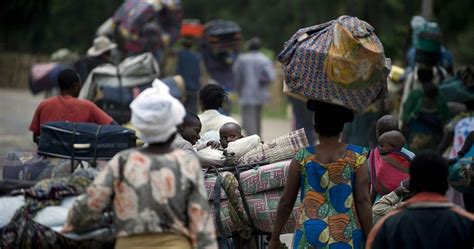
(89,206)
(411,105)
(201,225)
(467,144)
(286,203)
(447,140)
(36,124)
(35,139)
(269,70)
(386,204)
(204,76)
(236,74)
(362,198)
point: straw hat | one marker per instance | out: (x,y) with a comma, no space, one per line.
(101,45)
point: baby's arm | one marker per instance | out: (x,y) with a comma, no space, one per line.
(214,145)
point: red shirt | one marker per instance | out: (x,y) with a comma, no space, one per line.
(67,108)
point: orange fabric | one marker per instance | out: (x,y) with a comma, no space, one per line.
(67,108)
(192,29)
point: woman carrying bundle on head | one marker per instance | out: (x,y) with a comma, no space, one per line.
(341,68)
(333,179)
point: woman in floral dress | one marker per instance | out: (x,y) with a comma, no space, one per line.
(156,193)
(334,188)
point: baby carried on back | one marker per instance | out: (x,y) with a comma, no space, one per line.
(389,162)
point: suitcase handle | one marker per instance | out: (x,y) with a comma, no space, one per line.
(82,146)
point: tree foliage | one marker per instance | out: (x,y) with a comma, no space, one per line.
(46,25)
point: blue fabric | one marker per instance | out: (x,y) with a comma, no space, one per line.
(340,245)
(313,229)
(338,196)
(358,238)
(297,237)
(188,67)
(316,172)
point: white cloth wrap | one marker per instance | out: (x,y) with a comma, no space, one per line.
(155,113)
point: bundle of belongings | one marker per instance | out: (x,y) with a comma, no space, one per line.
(246,203)
(340,62)
(244,197)
(34,217)
(43,76)
(144,26)
(250,150)
(220,47)
(113,88)
(40,189)
(63,146)
(29,166)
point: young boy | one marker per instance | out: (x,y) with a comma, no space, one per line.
(188,133)
(229,132)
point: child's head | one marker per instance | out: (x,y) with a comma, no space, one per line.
(391,141)
(190,128)
(229,132)
(384,124)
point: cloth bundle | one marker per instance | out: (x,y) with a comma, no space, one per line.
(232,153)
(238,148)
(24,232)
(340,62)
(282,148)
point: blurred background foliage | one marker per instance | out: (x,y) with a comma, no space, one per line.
(43,26)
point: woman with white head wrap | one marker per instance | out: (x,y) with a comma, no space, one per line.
(156,192)
(155,113)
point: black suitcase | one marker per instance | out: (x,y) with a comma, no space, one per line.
(84,141)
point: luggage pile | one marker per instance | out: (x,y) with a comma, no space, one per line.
(248,200)
(113,88)
(244,198)
(35,217)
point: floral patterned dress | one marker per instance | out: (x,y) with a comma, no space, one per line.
(328,216)
(154,194)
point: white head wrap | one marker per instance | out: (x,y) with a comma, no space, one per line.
(155,113)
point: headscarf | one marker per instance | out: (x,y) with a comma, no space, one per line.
(155,113)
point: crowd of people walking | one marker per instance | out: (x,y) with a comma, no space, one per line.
(400,189)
